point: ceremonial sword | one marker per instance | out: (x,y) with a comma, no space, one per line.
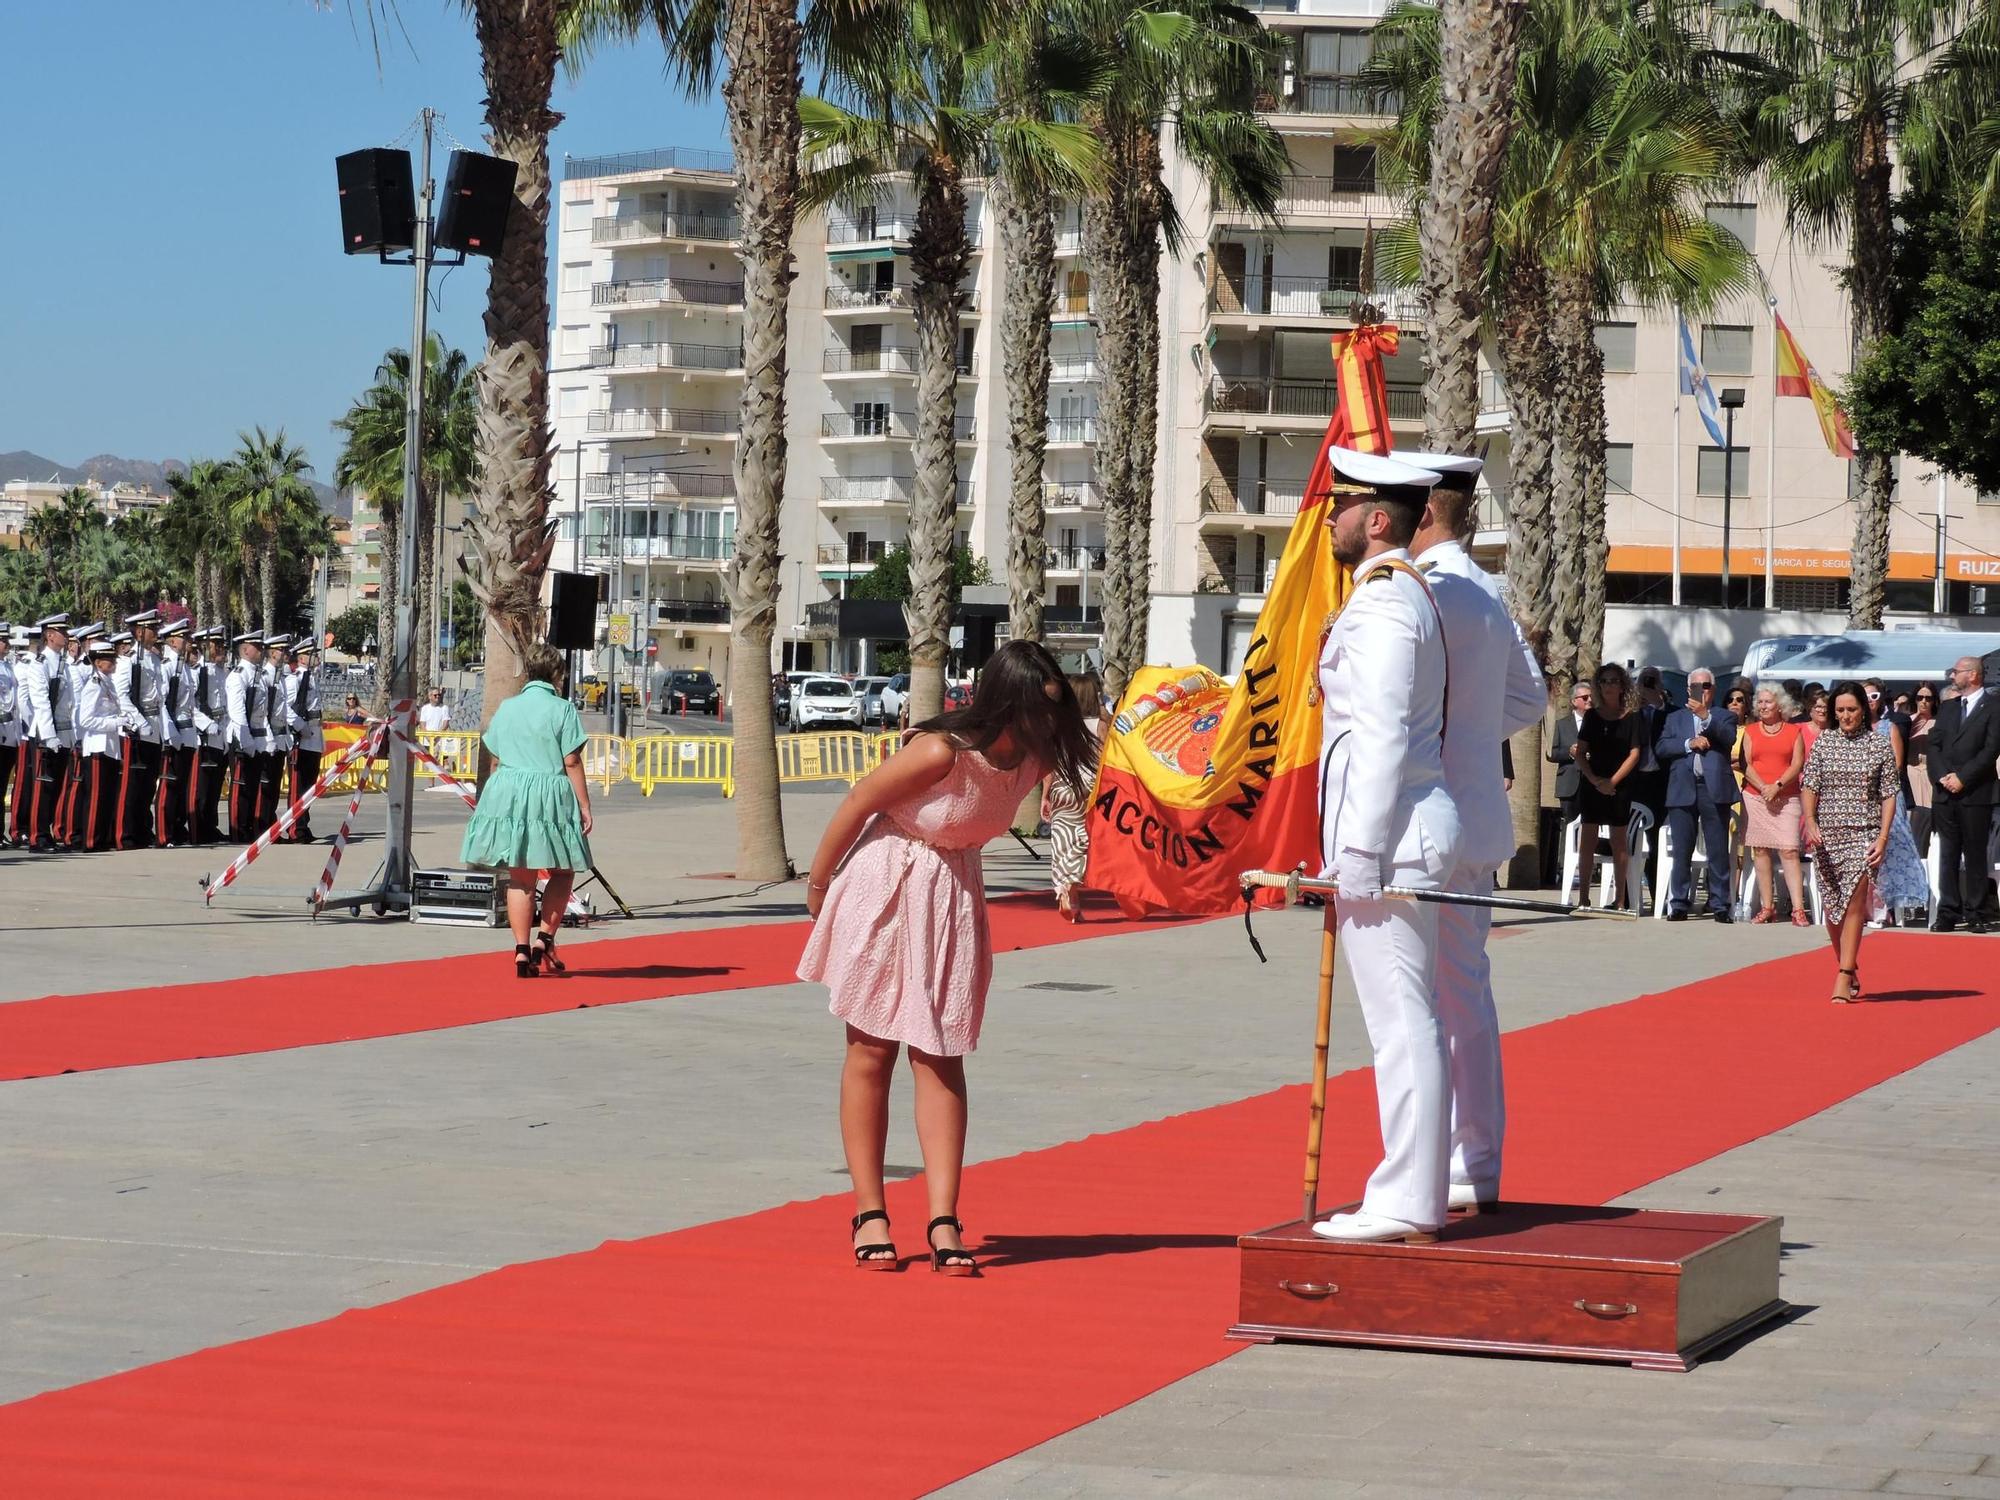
(1293,882)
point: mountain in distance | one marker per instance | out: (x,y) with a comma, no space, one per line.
(108,468)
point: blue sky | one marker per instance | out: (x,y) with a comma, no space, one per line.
(169,232)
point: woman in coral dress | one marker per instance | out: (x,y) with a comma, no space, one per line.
(899,923)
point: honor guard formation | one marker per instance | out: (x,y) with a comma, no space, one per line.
(132,740)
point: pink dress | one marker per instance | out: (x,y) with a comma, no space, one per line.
(902,939)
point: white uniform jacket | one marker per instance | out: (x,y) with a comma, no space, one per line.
(78,672)
(49,701)
(302,708)
(138,681)
(177,701)
(277,716)
(249,731)
(1381,772)
(100,714)
(211,705)
(1496,690)
(10,702)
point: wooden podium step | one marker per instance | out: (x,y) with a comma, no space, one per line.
(1635,1286)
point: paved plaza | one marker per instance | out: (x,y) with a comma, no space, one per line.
(149,1212)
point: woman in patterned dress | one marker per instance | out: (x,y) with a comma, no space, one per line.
(899,923)
(1850,804)
(1064,805)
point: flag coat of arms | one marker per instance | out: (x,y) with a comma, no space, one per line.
(1797,377)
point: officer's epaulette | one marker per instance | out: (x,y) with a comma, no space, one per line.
(1378,573)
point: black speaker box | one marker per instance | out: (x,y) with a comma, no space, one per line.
(573,610)
(378,204)
(478,196)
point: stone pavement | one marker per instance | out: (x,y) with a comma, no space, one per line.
(148,1212)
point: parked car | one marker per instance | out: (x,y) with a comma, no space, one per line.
(958,695)
(894,691)
(792,682)
(592,689)
(700,689)
(869,690)
(825,701)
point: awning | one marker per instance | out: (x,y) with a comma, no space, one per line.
(873,252)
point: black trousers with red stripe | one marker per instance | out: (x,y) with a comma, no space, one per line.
(94,821)
(273,802)
(210,767)
(13,774)
(50,777)
(173,804)
(137,783)
(304,772)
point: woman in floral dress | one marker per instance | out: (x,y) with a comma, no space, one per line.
(1850,805)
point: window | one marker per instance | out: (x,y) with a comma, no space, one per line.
(576,276)
(569,402)
(575,338)
(965,337)
(1725,348)
(1619,344)
(1354,169)
(576,213)
(1343,265)
(1807,594)
(1334,54)
(1740,219)
(1708,471)
(1618,467)
(1985,497)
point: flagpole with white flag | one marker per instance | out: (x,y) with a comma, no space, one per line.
(1771,467)
(1677,476)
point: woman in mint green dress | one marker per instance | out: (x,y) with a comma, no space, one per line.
(534,811)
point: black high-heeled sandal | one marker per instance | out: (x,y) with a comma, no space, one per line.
(880,1257)
(545,951)
(525,964)
(1853,989)
(951,1261)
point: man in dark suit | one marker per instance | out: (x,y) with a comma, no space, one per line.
(1694,746)
(1964,744)
(1568,775)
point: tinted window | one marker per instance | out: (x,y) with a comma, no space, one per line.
(827,687)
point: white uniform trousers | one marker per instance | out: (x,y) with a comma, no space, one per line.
(1390,949)
(1472,1032)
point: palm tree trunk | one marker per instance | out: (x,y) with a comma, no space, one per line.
(511,537)
(1577,628)
(1479,41)
(937,264)
(426,620)
(1869,287)
(390,536)
(1121,226)
(1028,253)
(267,583)
(761,95)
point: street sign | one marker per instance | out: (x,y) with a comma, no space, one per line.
(620,633)
(652,648)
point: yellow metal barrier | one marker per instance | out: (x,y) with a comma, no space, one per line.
(607,758)
(690,760)
(457,750)
(824,757)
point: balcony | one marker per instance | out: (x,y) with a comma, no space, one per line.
(1071,497)
(709,549)
(663,289)
(1068,307)
(691,611)
(712,358)
(1303,298)
(1075,559)
(887,361)
(1250,396)
(1328,96)
(1490,513)
(1232,581)
(703,229)
(643,422)
(850,557)
(858,490)
(1262,500)
(1072,432)
(654,484)
(1072,370)
(840,297)
(1305,196)
(671,159)
(901,425)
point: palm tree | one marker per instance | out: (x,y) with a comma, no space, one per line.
(270,488)
(371,459)
(1831,86)
(1189,67)
(194,528)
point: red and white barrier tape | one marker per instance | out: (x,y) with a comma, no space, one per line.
(418,752)
(320,891)
(290,814)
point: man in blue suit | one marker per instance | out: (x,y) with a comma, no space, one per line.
(1694,749)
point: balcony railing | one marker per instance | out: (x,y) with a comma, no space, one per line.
(848,555)
(665,356)
(880,489)
(667,289)
(1219,497)
(1073,430)
(657,484)
(717,229)
(1492,392)
(891,424)
(670,159)
(661,548)
(1068,306)
(1491,513)
(1057,496)
(1076,559)
(645,422)
(844,298)
(1237,582)
(889,361)
(1334,196)
(1303,297)
(1072,371)
(1254,396)
(692,611)
(1328,96)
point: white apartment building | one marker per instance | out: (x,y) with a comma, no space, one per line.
(647,377)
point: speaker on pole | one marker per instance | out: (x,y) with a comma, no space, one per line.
(378,204)
(573,610)
(478,196)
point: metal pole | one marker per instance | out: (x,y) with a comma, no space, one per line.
(1677,494)
(1940,598)
(1771,470)
(402,668)
(1728,474)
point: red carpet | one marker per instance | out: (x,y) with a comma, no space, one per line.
(267,1013)
(747,1358)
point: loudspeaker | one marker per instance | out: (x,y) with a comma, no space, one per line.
(573,610)
(478,196)
(378,205)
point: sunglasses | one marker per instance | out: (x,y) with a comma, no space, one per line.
(1926,698)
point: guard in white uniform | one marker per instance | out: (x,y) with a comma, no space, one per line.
(302,711)
(103,752)
(77,673)
(10,731)
(277,655)
(211,725)
(141,699)
(173,807)
(51,708)
(249,739)
(1386,818)
(1496,690)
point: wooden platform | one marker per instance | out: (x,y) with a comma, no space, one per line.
(1632,1286)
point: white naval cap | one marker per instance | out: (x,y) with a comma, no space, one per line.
(100,648)
(1387,477)
(249,638)
(176,627)
(54,622)
(89,632)
(144,617)
(1454,471)
(122,638)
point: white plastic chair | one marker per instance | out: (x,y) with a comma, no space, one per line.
(1698,864)
(1746,896)
(1607,882)
(1638,837)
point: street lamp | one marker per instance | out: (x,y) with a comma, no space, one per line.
(1731,401)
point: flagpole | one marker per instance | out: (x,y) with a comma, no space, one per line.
(1677,474)
(1771,466)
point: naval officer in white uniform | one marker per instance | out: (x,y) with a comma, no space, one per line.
(1496,690)
(1386,818)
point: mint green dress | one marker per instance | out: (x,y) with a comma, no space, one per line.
(528,818)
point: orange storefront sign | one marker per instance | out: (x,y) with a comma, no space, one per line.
(1790,562)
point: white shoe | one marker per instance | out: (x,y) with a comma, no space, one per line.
(1366,1229)
(1479,1197)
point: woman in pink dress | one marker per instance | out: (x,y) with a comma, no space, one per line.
(899,923)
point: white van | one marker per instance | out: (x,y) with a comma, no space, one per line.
(1895,656)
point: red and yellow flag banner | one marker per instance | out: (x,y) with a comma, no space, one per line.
(1201,779)
(1797,377)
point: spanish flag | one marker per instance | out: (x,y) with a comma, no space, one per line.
(1200,779)
(1797,377)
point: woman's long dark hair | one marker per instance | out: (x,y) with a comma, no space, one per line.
(1852,690)
(1023,692)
